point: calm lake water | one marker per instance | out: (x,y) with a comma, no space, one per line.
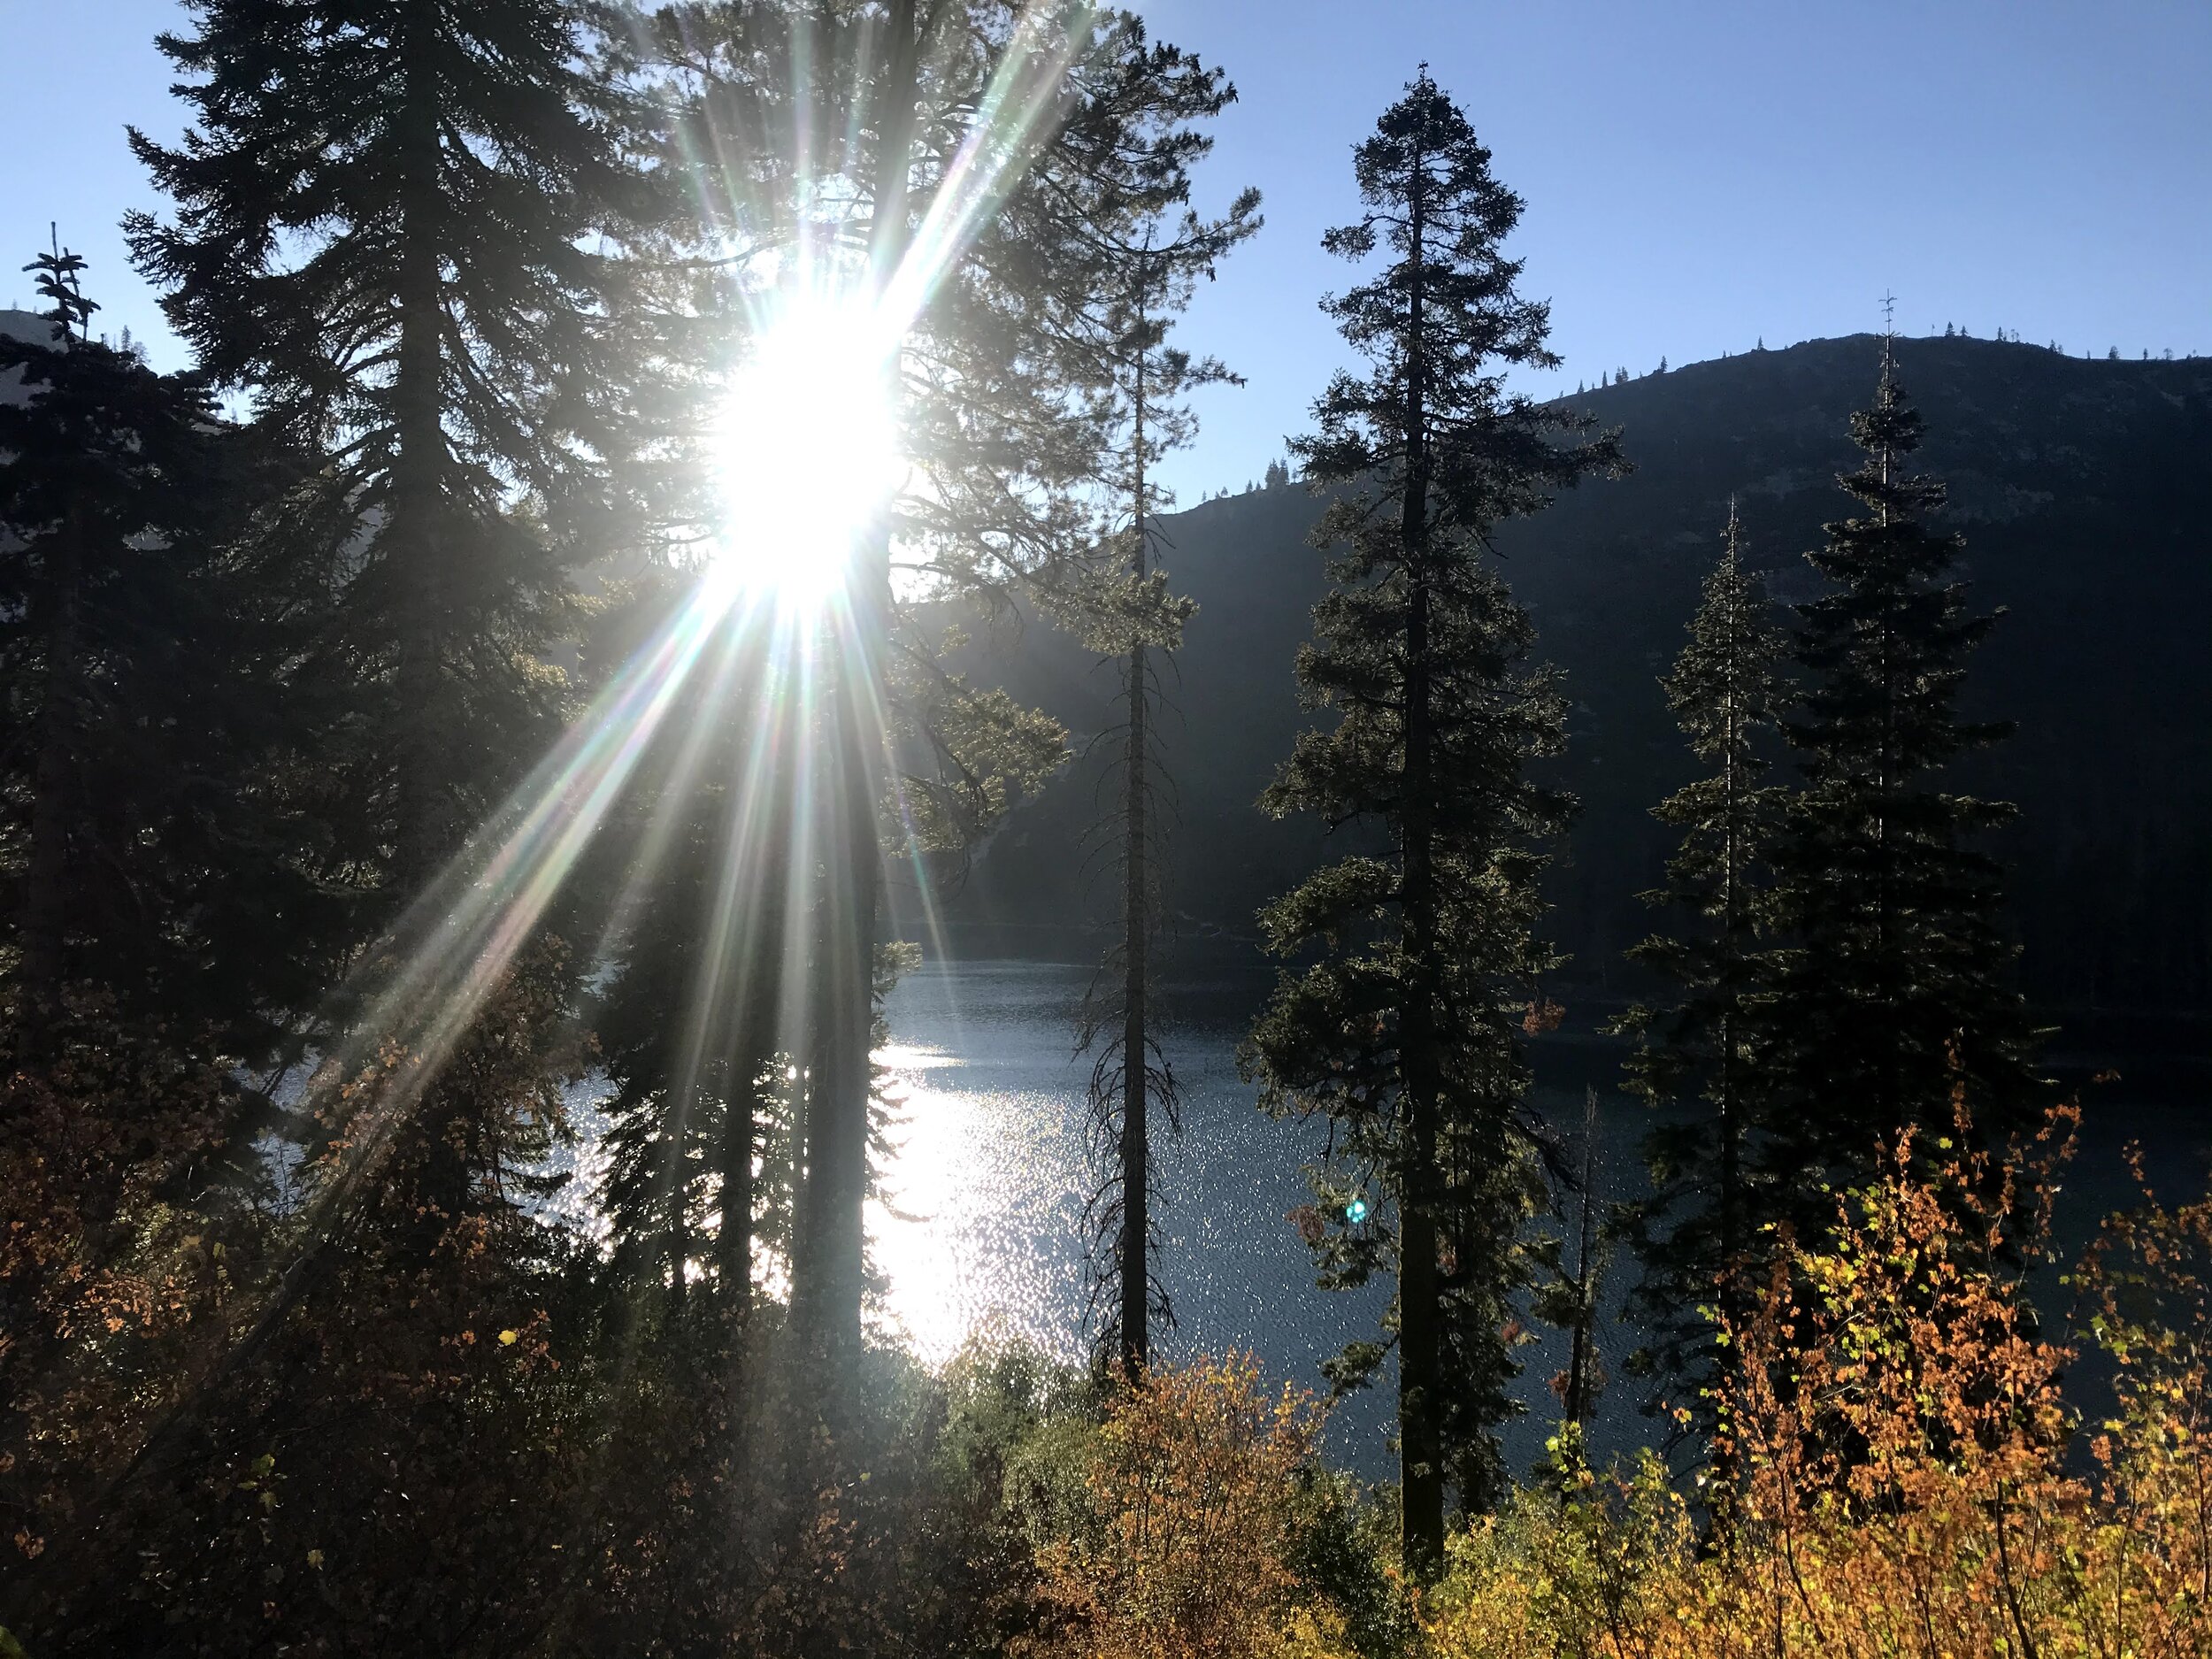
(983,1227)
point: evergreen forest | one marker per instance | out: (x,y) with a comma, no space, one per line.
(664,542)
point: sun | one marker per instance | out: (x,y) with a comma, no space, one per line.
(806,453)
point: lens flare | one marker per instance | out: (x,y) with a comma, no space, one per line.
(808,458)
(806,452)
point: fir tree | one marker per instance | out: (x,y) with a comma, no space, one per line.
(1576,1290)
(1004,412)
(1893,998)
(147,879)
(1004,408)
(697,1019)
(1696,1232)
(392,230)
(1401,1029)
(392,233)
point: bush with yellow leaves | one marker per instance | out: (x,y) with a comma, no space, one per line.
(1900,1477)
(1899,1442)
(1182,1549)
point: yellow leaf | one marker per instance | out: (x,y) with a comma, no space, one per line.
(507,1338)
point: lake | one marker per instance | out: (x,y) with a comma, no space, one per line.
(982,1227)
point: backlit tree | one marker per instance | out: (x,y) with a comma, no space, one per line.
(1704,1044)
(1893,989)
(1419,955)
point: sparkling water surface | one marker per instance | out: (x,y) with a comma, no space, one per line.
(980,1231)
(983,1230)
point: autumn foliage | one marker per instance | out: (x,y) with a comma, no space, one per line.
(110,1281)
(1182,1546)
(1899,1471)
(1909,1477)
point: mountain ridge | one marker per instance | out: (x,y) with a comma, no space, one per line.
(2083,487)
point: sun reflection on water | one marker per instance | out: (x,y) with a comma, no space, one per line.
(979,1231)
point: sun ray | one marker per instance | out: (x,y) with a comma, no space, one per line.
(423,988)
(1013,120)
(646,862)
(418,993)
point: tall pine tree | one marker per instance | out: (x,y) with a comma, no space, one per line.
(1131,1074)
(698,1021)
(1893,994)
(1402,1026)
(396,235)
(149,928)
(1704,1044)
(154,870)
(391,232)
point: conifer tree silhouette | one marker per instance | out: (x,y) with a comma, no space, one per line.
(1695,1232)
(1400,1031)
(1893,994)
(1139,621)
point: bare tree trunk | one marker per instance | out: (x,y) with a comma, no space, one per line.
(828,1266)
(418,465)
(1136,1154)
(1736,930)
(753,1073)
(734,1236)
(678,1248)
(1582,1358)
(415,555)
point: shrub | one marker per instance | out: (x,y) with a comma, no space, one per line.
(1899,1448)
(1182,1548)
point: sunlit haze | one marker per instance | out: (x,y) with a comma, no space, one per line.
(1105,828)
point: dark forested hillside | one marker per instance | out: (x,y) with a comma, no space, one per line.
(2084,488)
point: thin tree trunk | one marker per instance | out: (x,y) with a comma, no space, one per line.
(1420,1435)
(1736,933)
(1582,1359)
(1136,1221)
(415,555)
(828,1264)
(746,1084)
(679,1249)
(1735,930)
(418,462)
(734,1236)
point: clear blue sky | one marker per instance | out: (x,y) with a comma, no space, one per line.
(1698,175)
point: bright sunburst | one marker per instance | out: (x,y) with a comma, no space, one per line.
(807,451)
